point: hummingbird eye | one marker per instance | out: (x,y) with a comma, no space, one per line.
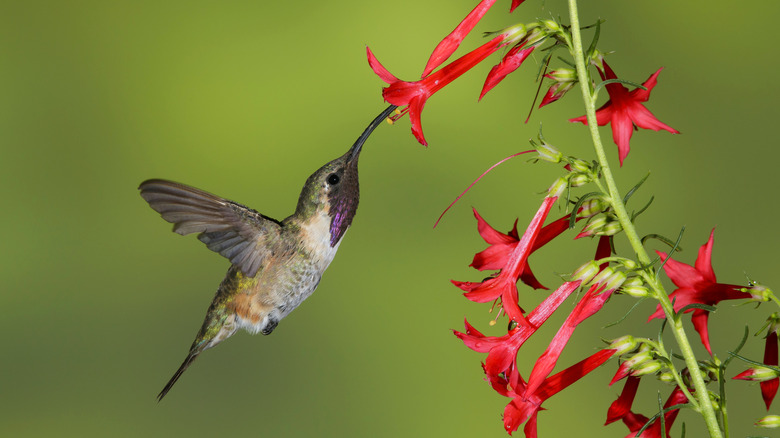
(333,179)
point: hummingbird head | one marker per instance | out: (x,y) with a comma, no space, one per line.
(335,188)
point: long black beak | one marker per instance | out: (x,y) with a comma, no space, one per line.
(354,151)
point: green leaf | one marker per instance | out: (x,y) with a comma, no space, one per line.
(635,188)
(636,214)
(752,362)
(662,239)
(595,40)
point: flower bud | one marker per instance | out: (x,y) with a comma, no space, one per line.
(593,227)
(562,75)
(586,272)
(514,33)
(551,26)
(592,207)
(757,374)
(623,345)
(610,229)
(639,358)
(667,377)
(578,179)
(614,281)
(635,287)
(645,368)
(769,422)
(578,165)
(548,152)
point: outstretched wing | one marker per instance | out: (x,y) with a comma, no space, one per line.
(231,229)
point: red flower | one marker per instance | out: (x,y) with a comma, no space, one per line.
(413,95)
(697,285)
(501,246)
(621,410)
(769,388)
(526,404)
(504,286)
(626,112)
(768,380)
(502,351)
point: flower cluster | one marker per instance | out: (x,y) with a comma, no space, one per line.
(604,215)
(509,254)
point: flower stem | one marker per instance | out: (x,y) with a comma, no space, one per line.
(701,402)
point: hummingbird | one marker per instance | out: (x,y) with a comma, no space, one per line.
(275,265)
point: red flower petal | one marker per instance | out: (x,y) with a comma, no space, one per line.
(509,63)
(450,43)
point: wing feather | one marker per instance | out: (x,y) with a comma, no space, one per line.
(235,231)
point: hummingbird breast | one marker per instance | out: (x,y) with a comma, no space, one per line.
(288,278)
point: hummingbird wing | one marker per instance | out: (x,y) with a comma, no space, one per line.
(231,229)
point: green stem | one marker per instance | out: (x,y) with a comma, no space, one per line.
(702,401)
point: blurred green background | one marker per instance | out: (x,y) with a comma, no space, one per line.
(100,301)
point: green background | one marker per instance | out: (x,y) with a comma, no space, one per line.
(99,301)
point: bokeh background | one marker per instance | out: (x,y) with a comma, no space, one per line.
(99,301)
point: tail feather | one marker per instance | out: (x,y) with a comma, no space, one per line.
(190,357)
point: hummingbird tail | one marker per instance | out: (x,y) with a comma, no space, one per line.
(190,357)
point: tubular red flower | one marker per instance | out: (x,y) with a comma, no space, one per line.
(769,388)
(622,406)
(624,110)
(502,351)
(505,284)
(590,303)
(495,256)
(525,406)
(697,285)
(415,94)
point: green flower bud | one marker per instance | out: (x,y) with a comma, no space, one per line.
(610,229)
(769,422)
(585,272)
(623,345)
(592,207)
(578,165)
(645,368)
(548,152)
(578,179)
(551,26)
(562,75)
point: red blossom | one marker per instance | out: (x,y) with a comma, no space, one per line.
(622,406)
(525,406)
(625,111)
(621,410)
(590,303)
(502,351)
(768,380)
(769,388)
(697,285)
(415,94)
(495,256)
(504,286)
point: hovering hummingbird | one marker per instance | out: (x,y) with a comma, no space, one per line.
(275,265)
